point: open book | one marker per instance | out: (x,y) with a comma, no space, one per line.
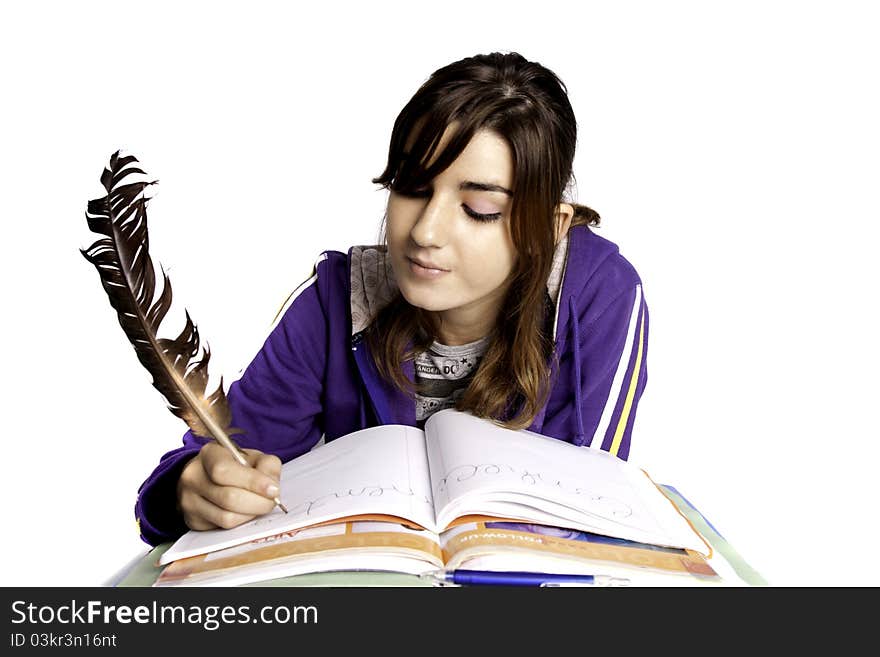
(461,469)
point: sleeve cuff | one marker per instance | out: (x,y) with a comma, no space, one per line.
(156,506)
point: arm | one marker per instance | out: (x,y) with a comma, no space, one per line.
(627,352)
(277,402)
(612,353)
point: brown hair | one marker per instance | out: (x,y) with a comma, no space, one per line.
(527,105)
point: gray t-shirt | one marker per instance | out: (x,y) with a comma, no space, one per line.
(446,371)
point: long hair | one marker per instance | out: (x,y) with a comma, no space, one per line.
(527,105)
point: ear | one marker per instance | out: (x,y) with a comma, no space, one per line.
(564,214)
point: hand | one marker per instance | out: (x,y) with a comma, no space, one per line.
(216,491)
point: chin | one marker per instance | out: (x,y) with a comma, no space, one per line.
(423,299)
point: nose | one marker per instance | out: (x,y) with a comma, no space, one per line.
(432,226)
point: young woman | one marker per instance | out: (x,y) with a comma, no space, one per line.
(489,294)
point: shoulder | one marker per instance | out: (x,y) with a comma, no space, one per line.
(355,265)
(330,262)
(355,284)
(593,259)
(318,286)
(596,273)
(329,270)
(357,272)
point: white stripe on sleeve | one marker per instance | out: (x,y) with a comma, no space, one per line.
(617,385)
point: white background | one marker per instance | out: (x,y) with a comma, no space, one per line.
(731,149)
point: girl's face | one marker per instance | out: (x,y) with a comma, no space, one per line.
(459,227)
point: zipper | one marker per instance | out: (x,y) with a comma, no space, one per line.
(356,339)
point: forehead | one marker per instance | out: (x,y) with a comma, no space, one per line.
(486,158)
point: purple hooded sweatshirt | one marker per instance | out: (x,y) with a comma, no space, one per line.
(314,377)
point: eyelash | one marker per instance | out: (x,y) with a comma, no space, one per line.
(476,216)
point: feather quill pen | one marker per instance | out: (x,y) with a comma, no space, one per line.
(125,267)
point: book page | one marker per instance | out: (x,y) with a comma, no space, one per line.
(480,468)
(377,470)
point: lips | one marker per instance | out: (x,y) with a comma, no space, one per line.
(427,264)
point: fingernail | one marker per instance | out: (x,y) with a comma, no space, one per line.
(272,490)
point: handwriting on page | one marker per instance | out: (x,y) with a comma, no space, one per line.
(308,507)
(461,473)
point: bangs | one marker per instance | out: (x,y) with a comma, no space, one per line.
(414,143)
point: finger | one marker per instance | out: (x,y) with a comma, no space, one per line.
(267,463)
(205,514)
(196,481)
(192,480)
(238,500)
(188,501)
(198,523)
(223,470)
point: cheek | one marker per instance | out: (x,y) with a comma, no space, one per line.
(393,230)
(489,260)
(398,222)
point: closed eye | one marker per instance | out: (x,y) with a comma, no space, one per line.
(480,217)
(426,193)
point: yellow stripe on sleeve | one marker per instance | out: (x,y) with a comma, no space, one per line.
(631,393)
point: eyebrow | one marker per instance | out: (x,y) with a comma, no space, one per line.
(484,187)
(470,185)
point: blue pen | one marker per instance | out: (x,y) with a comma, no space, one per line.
(507,578)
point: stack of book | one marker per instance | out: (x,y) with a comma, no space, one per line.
(462,494)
